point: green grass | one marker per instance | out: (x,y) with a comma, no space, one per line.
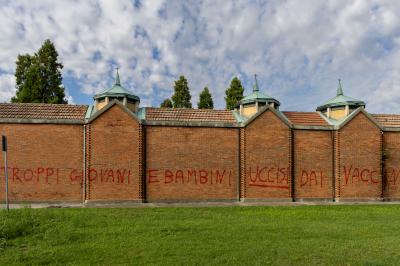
(354,235)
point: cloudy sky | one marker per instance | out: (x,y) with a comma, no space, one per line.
(298,48)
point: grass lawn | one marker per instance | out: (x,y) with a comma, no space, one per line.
(361,235)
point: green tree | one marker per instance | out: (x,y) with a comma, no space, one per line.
(234,93)
(166,104)
(38,77)
(206,101)
(181,97)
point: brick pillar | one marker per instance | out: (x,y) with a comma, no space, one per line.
(336,156)
(242,164)
(88,154)
(383,172)
(291,179)
(142,163)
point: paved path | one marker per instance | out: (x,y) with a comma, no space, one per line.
(188,204)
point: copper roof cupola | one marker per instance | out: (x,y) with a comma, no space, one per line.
(117,92)
(250,104)
(340,106)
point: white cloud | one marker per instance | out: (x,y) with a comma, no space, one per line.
(298,48)
(7,85)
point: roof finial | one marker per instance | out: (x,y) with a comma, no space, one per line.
(339,89)
(255,87)
(117,81)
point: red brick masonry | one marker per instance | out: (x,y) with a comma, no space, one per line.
(195,155)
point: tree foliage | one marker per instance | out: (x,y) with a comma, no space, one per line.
(166,104)
(38,77)
(181,97)
(234,93)
(205,101)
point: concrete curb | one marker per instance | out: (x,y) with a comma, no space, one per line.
(187,204)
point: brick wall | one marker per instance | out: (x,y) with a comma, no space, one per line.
(198,163)
(358,158)
(267,158)
(45,162)
(391,150)
(191,163)
(313,164)
(114,157)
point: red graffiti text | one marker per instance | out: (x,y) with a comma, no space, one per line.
(117,176)
(311,178)
(392,176)
(353,175)
(190,176)
(56,176)
(268,177)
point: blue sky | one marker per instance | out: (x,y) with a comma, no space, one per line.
(298,48)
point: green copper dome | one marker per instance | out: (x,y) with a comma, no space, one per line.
(257,96)
(117,90)
(341,100)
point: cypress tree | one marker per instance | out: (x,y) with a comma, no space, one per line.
(166,104)
(234,93)
(38,77)
(181,97)
(206,101)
